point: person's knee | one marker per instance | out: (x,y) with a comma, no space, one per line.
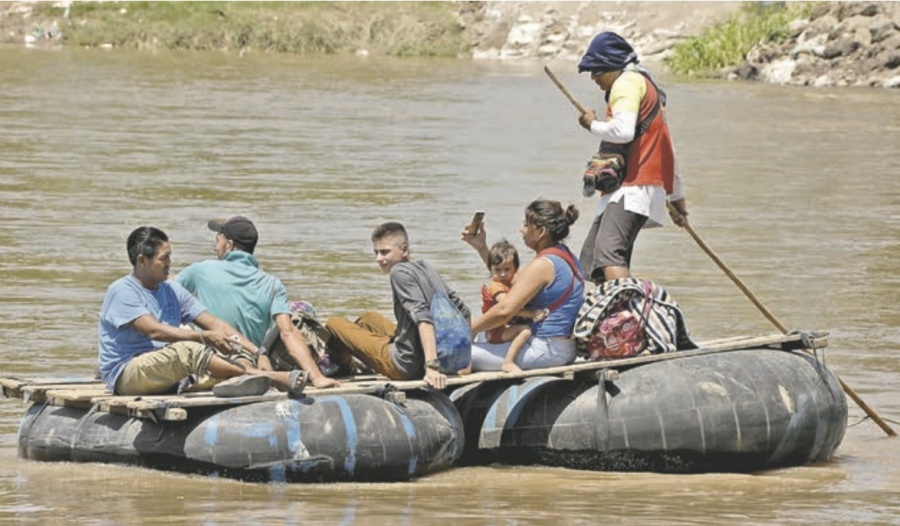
(616,272)
(612,255)
(335,325)
(193,356)
(369,318)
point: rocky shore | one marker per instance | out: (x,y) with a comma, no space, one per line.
(562,30)
(839,44)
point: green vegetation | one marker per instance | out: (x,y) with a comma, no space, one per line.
(726,44)
(390,28)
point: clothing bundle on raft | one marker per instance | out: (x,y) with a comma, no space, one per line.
(628,317)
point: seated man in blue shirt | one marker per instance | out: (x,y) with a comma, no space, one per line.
(142,348)
(235,289)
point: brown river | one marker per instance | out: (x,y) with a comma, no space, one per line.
(796,190)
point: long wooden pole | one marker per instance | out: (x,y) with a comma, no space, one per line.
(565,91)
(771,317)
(740,284)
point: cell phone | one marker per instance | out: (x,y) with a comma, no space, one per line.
(475,223)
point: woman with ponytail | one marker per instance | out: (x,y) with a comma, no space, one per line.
(552,280)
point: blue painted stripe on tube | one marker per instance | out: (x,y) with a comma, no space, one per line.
(490,419)
(277,474)
(265,430)
(448,411)
(349,427)
(511,398)
(294,436)
(211,431)
(411,435)
(525,390)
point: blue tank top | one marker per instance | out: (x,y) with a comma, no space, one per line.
(561,321)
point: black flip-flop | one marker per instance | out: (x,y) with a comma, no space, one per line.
(297,381)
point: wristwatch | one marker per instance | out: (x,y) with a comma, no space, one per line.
(433,364)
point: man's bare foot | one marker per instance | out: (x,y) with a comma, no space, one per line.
(324,382)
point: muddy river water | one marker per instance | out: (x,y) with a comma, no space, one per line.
(795,189)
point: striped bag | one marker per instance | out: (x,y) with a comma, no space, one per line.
(628,317)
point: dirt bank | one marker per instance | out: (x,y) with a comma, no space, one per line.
(840,44)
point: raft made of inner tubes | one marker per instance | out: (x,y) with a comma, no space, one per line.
(737,411)
(339,437)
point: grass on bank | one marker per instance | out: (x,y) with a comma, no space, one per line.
(403,29)
(727,43)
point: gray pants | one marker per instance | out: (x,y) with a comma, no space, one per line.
(610,240)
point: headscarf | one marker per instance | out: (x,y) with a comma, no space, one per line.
(607,52)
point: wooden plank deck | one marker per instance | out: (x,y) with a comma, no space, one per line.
(85,393)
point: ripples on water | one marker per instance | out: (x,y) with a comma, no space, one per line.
(794,189)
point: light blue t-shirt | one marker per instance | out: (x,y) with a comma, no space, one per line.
(235,290)
(127,300)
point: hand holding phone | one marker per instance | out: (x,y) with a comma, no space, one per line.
(475,224)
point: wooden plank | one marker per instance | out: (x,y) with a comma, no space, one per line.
(745,342)
(584,366)
(766,341)
(73,397)
(85,392)
(731,339)
(12,386)
(156,413)
(204,401)
(57,380)
(38,393)
(75,394)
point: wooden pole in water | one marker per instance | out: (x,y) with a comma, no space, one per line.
(740,284)
(771,317)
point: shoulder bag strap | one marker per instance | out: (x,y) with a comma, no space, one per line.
(567,256)
(645,123)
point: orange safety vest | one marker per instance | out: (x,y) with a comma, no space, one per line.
(651,157)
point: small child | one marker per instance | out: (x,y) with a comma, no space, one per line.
(503,262)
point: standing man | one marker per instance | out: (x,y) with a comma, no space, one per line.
(635,121)
(235,289)
(143,349)
(406,350)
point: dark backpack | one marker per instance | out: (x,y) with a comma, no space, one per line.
(313,331)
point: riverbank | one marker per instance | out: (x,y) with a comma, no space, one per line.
(478,30)
(838,44)
(830,44)
(391,28)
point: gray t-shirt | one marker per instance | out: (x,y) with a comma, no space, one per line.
(413,284)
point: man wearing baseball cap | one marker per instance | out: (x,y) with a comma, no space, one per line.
(235,289)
